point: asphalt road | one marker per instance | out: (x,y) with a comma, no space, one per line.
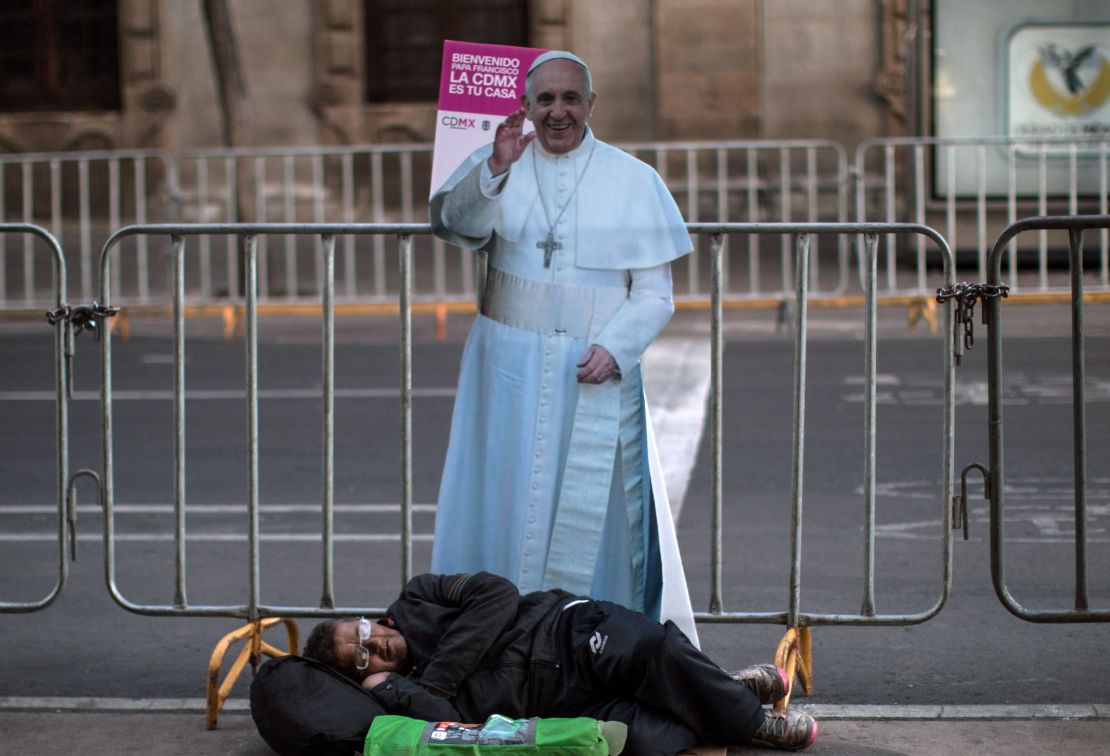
(973,652)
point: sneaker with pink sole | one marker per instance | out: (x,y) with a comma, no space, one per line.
(768,682)
(788,729)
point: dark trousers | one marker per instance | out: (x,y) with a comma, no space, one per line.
(619,665)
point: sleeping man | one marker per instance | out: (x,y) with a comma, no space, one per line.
(464,647)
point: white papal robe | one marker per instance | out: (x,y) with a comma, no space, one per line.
(548,482)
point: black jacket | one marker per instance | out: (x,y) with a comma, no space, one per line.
(477,641)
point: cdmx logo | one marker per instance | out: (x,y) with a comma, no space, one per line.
(1070,83)
(455,122)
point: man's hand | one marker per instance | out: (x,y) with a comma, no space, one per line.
(372,681)
(509,143)
(596,365)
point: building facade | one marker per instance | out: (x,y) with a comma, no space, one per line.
(99,74)
(103,74)
(114,74)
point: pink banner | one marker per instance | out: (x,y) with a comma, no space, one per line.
(479,86)
(483,79)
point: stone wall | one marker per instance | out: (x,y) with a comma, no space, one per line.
(664,70)
(148,99)
(819,62)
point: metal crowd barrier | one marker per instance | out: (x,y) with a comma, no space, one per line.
(972,187)
(801,234)
(82,197)
(755,181)
(800,237)
(254,610)
(94,193)
(362,184)
(67,320)
(63,352)
(1075,226)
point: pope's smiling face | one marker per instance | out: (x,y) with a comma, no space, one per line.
(559,105)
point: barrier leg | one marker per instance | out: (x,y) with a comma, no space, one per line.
(441,322)
(253,648)
(923,308)
(233,321)
(120,324)
(795,655)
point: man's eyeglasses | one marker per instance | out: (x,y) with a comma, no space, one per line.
(362,655)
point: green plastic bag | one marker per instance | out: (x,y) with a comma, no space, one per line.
(391,735)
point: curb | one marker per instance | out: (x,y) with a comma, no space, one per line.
(956,712)
(830,712)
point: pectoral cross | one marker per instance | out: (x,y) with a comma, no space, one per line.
(548,246)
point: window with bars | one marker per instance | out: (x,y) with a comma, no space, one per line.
(59,55)
(404,40)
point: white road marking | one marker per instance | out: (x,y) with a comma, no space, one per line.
(920,531)
(226,394)
(1042,505)
(1018,389)
(50,531)
(386,508)
(881,379)
(217,537)
(676,382)
(158,359)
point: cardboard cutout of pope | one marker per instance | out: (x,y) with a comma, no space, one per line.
(552,477)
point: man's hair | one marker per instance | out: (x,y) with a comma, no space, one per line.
(530,80)
(321,644)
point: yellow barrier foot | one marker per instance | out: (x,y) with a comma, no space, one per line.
(233,321)
(253,648)
(120,323)
(923,308)
(441,323)
(795,655)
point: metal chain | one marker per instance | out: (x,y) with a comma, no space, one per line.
(966,295)
(82,317)
(53,316)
